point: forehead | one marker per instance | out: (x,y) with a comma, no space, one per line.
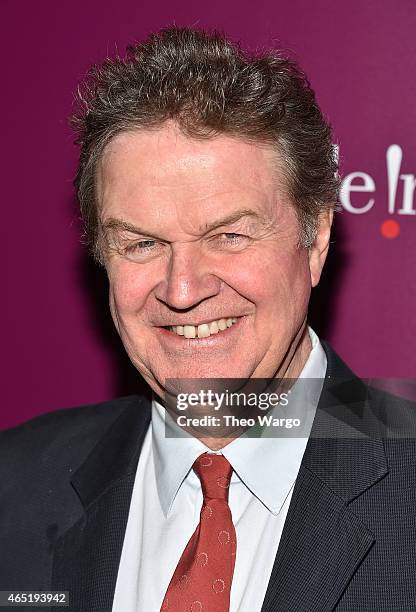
(178,154)
(164,168)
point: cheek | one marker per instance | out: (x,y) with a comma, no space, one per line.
(130,286)
(272,279)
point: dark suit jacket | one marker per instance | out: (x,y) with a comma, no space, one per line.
(349,541)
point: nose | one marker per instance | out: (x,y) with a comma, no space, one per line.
(187,280)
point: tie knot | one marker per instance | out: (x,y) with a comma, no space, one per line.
(214,472)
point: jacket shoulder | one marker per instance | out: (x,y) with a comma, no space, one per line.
(59,437)
(38,460)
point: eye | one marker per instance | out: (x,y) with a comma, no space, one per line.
(141,250)
(146,244)
(140,246)
(232,236)
(231,241)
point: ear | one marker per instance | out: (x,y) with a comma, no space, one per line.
(319,249)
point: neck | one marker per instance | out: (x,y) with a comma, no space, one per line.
(290,368)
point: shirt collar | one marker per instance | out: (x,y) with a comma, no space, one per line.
(268,466)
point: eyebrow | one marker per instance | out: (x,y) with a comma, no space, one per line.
(230,219)
(118,224)
(113,223)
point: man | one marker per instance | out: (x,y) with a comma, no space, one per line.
(207,182)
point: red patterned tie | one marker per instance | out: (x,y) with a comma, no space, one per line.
(202,579)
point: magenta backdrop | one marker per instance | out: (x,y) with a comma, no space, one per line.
(360,56)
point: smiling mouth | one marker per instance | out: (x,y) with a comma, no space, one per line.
(204,330)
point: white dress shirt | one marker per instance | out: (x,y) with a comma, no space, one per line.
(167,499)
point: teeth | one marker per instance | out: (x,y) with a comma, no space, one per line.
(189,331)
(204,330)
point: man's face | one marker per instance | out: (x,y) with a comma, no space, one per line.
(199,232)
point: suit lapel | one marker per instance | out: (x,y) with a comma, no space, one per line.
(87,556)
(323,542)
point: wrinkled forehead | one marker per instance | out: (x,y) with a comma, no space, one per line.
(140,160)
